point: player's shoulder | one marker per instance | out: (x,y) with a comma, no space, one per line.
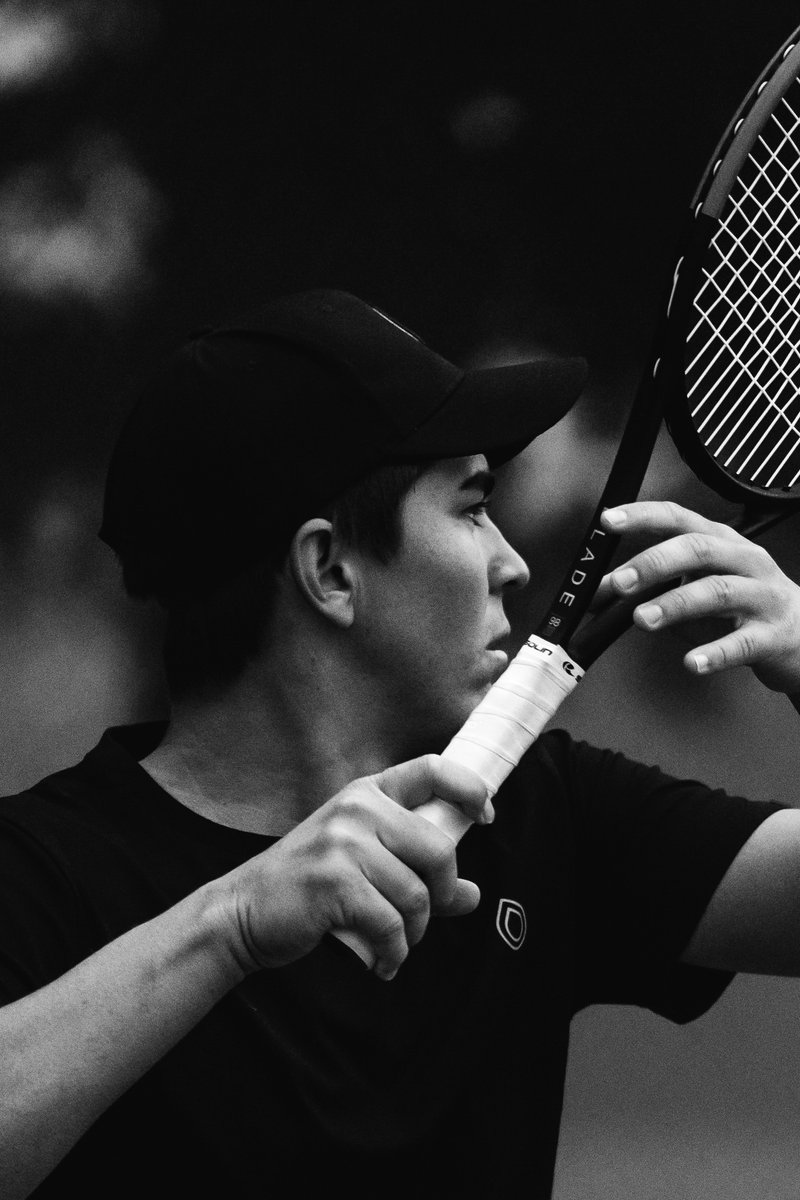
(84,788)
(573,759)
(582,778)
(560,755)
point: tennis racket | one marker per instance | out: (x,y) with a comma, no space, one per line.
(724,375)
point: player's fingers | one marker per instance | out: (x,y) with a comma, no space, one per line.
(608,591)
(406,891)
(398,851)
(390,907)
(379,927)
(430,855)
(466,899)
(602,595)
(659,518)
(711,596)
(419,780)
(691,554)
(744,646)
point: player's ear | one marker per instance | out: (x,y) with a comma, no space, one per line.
(322,573)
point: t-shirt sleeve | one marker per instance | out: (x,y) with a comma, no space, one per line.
(650,853)
(40,914)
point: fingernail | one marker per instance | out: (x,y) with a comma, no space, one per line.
(487,816)
(701,664)
(615,517)
(626,579)
(651,614)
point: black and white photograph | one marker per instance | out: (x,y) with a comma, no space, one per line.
(400,606)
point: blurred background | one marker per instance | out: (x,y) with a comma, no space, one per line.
(502,178)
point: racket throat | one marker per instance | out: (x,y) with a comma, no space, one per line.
(580,582)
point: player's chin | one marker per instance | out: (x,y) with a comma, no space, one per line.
(497,661)
(492,665)
(473,685)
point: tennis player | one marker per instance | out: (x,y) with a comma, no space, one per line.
(305,493)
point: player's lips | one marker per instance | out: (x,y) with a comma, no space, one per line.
(497,651)
(500,659)
(498,639)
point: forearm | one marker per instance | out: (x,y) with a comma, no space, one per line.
(70,1049)
(361,861)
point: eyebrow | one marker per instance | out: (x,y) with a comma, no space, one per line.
(482,481)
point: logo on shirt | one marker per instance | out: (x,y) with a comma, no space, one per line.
(512,924)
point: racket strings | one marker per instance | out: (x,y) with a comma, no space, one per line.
(745,274)
(745,319)
(742,355)
(744,271)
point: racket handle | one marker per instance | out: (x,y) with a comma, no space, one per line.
(496,735)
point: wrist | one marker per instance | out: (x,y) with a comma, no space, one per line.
(220,925)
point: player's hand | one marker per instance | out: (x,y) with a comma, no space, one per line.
(363,861)
(715,573)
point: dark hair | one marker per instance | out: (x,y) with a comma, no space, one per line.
(209,638)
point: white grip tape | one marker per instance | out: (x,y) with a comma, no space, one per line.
(506,723)
(497,733)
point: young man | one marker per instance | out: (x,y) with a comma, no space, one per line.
(305,493)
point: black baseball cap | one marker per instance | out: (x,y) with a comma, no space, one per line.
(256,425)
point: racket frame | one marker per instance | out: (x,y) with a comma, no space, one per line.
(763,506)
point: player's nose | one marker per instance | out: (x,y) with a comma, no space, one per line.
(508,569)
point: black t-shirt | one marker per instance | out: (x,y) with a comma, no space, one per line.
(447,1080)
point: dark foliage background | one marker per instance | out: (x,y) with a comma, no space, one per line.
(500,177)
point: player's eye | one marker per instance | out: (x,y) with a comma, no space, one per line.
(477,512)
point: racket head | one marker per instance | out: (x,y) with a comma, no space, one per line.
(728,357)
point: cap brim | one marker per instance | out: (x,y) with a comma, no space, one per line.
(497,411)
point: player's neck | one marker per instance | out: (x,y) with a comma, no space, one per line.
(266,753)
